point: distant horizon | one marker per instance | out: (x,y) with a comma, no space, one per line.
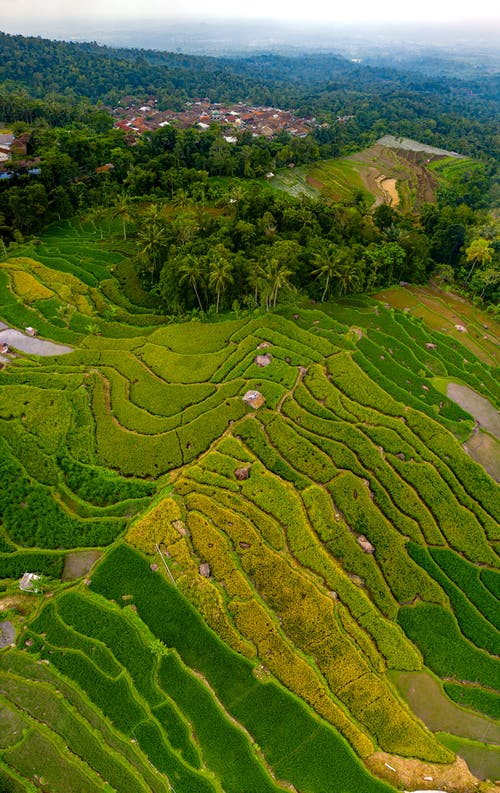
(211,33)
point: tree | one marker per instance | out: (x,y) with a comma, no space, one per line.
(275,274)
(479,252)
(153,245)
(220,276)
(348,275)
(190,271)
(327,261)
(122,209)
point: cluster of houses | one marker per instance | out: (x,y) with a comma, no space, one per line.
(261,121)
(13,151)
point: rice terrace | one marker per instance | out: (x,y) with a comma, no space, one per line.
(399,172)
(233,594)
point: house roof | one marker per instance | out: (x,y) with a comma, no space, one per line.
(28,582)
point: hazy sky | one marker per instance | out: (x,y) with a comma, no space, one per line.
(18,14)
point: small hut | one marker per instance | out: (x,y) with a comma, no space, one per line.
(29,582)
(254,399)
(31,331)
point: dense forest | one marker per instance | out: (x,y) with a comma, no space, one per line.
(209,230)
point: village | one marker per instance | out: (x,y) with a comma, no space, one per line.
(201,113)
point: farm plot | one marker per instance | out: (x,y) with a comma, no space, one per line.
(294,551)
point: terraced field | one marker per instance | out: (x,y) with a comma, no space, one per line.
(400,173)
(262,569)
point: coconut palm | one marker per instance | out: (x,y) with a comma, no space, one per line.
(220,277)
(153,245)
(121,208)
(190,271)
(348,276)
(478,252)
(328,261)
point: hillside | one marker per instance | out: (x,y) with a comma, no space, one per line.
(401,173)
(242,594)
(447,111)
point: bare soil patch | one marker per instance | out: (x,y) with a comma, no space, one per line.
(410,774)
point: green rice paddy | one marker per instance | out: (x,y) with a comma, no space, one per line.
(260,569)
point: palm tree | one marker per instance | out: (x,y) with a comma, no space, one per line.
(348,275)
(220,276)
(153,244)
(121,209)
(96,215)
(190,271)
(275,274)
(328,260)
(478,252)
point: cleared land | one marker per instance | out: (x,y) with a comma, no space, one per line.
(399,172)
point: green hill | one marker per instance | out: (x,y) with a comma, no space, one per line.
(395,171)
(267,568)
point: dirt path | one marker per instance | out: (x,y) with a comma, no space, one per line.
(32,345)
(388,188)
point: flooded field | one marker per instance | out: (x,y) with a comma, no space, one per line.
(427,699)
